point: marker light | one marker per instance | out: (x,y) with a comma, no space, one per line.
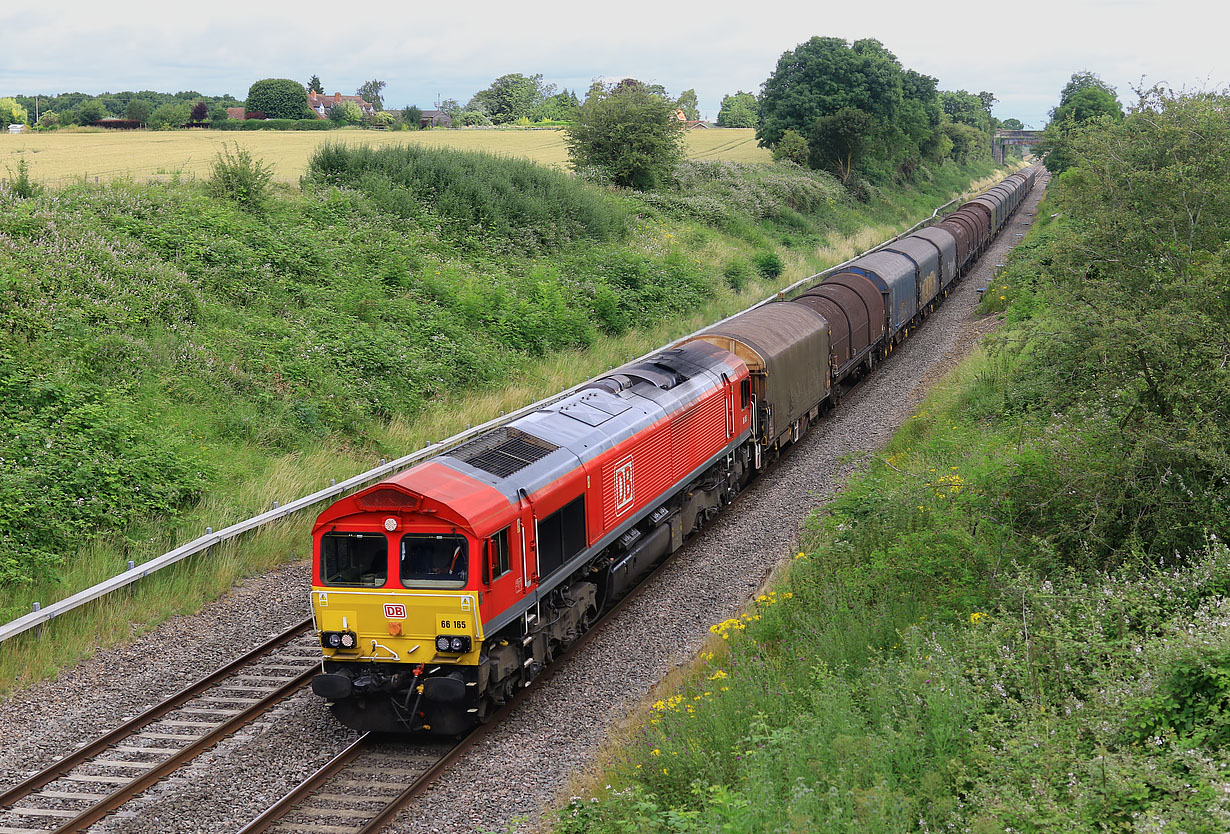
(390,524)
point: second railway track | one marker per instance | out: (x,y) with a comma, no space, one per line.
(99,777)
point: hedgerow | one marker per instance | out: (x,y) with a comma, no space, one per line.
(480,200)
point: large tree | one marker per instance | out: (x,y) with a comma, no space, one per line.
(1084,98)
(139,110)
(626,135)
(838,141)
(511,97)
(12,113)
(738,110)
(278,98)
(370,92)
(824,75)
(688,103)
(314,85)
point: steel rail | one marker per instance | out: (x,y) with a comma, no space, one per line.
(44,615)
(271,816)
(178,756)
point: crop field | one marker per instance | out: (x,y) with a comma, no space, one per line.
(62,157)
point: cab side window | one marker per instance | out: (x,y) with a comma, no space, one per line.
(499,553)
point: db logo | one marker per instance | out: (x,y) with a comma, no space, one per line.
(623,485)
(394,612)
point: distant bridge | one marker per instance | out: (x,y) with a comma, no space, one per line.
(1012,137)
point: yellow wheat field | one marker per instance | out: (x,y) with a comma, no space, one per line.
(62,157)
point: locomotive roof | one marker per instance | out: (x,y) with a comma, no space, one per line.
(549,443)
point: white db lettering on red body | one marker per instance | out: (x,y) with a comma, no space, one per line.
(623,485)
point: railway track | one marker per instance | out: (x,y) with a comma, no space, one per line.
(363,787)
(83,787)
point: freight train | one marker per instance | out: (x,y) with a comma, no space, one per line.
(442,591)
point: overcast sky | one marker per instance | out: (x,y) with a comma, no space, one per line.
(1021,51)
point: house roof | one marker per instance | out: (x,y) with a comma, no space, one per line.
(336,98)
(235,113)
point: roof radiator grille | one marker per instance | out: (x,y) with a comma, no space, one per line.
(503,451)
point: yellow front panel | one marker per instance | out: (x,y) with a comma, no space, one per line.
(398,626)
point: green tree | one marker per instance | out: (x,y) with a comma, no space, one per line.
(511,97)
(966,109)
(412,117)
(561,107)
(278,98)
(823,75)
(346,113)
(91,112)
(139,110)
(1083,80)
(967,143)
(1013,124)
(218,114)
(370,92)
(739,110)
(1084,98)
(314,86)
(169,115)
(626,135)
(13,112)
(452,108)
(838,141)
(688,103)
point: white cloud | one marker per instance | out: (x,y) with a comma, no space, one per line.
(1023,54)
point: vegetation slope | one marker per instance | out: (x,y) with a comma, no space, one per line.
(1018,618)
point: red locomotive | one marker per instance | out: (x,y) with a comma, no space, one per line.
(440,592)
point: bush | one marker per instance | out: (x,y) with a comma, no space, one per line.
(736,273)
(478,197)
(279,98)
(91,111)
(274,124)
(240,177)
(792,147)
(22,186)
(168,115)
(768,264)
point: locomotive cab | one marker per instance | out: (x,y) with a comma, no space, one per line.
(396,592)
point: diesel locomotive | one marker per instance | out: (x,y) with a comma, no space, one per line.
(440,592)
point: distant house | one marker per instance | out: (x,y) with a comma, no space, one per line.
(320,104)
(18,128)
(693,124)
(436,118)
(236,113)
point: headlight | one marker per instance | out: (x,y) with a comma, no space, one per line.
(343,640)
(453,644)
